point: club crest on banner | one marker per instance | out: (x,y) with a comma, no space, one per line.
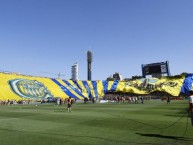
(30,89)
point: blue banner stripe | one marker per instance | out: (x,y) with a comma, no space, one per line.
(75,89)
(187,85)
(87,88)
(114,86)
(105,86)
(64,89)
(75,82)
(94,83)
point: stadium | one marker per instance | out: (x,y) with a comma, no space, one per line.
(52,92)
(27,120)
(23,87)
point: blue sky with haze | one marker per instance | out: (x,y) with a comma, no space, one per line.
(39,36)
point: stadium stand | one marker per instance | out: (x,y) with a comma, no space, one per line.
(22,87)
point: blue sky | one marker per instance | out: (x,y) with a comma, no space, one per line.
(39,36)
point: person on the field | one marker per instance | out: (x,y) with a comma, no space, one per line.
(69,103)
(190,109)
(168,100)
(142,99)
(93,100)
(58,101)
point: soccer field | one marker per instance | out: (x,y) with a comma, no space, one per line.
(152,123)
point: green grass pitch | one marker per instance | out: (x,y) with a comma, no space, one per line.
(152,123)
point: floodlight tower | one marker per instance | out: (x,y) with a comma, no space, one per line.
(89,61)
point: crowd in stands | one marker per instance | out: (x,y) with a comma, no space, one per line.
(14,102)
(125,98)
(110,97)
(57,101)
(91,99)
(136,98)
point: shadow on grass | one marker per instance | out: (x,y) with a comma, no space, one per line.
(184,113)
(81,136)
(167,137)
